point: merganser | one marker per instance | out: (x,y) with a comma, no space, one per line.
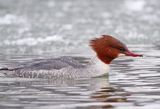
(106,47)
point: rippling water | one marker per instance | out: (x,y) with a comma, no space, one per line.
(32,29)
(133,83)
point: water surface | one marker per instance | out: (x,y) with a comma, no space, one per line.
(132,83)
(31,29)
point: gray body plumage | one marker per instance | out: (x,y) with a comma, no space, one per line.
(62,67)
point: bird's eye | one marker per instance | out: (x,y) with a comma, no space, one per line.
(122,49)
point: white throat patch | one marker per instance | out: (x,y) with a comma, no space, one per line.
(121,55)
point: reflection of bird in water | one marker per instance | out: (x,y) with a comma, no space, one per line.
(69,93)
(110,95)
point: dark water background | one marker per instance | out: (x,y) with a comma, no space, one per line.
(32,29)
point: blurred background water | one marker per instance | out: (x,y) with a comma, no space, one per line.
(45,26)
(32,29)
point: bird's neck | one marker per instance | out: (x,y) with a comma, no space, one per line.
(105,59)
(100,65)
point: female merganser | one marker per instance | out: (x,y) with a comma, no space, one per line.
(107,48)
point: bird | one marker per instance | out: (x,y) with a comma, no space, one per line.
(106,47)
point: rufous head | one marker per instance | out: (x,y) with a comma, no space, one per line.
(108,48)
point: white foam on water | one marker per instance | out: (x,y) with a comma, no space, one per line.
(135,5)
(30,41)
(11,19)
